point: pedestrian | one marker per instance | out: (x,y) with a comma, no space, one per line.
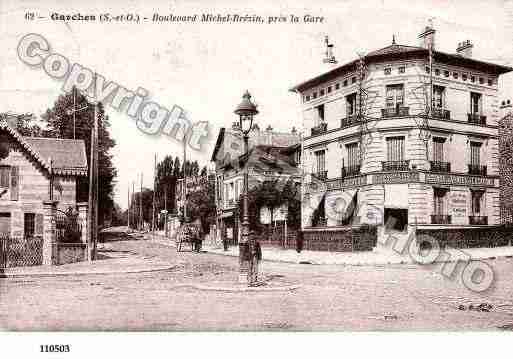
(255,258)
(299,241)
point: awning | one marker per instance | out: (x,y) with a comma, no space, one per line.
(396,196)
(340,205)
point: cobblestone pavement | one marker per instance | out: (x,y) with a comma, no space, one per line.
(331,297)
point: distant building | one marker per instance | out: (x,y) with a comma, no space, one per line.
(384,153)
(272,155)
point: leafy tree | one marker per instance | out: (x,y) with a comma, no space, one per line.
(166,184)
(60,123)
(201,204)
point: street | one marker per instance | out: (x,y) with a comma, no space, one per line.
(330,297)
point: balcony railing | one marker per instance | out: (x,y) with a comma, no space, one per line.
(348,121)
(478,220)
(395,165)
(437,166)
(320,128)
(442,114)
(440,219)
(350,171)
(477,170)
(476,119)
(322,175)
(395,111)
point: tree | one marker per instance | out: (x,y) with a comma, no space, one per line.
(166,184)
(201,204)
(60,123)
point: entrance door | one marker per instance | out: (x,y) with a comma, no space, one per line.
(396,219)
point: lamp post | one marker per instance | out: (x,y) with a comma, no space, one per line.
(245,110)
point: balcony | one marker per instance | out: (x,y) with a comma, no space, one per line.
(395,165)
(320,128)
(348,121)
(442,167)
(476,119)
(395,112)
(478,220)
(322,175)
(350,171)
(441,114)
(477,170)
(440,219)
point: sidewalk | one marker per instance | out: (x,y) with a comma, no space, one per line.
(348,258)
(114,264)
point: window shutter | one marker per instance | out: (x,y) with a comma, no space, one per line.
(39,224)
(14,183)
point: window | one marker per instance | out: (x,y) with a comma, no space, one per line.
(481,80)
(446,73)
(438,149)
(353,79)
(438,96)
(472,79)
(439,203)
(345,83)
(337,86)
(29,221)
(320,161)
(395,149)
(455,75)
(490,82)
(232,191)
(464,77)
(437,72)
(320,114)
(402,69)
(314,95)
(321,92)
(394,96)
(5,172)
(477,197)
(351,104)
(388,70)
(307,97)
(475,103)
(427,69)
(236,191)
(329,89)
(475,154)
(353,154)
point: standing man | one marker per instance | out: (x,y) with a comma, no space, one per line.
(255,258)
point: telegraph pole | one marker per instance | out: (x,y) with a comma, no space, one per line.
(141,221)
(184,179)
(128,206)
(154,190)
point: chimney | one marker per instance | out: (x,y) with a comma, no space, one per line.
(427,37)
(465,48)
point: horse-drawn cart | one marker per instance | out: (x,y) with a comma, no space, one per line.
(188,233)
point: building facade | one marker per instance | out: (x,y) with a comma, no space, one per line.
(272,156)
(378,153)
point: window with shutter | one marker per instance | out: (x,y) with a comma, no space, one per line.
(438,149)
(475,153)
(39,224)
(4,176)
(14,183)
(395,149)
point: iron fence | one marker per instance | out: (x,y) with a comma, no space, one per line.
(20,251)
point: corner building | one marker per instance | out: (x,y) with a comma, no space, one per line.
(384,156)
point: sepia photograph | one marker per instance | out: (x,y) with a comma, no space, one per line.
(255,167)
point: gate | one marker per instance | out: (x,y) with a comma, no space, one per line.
(20,251)
(67,228)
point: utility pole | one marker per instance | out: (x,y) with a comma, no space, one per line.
(184,190)
(128,206)
(141,220)
(133,198)
(154,190)
(92,189)
(165,209)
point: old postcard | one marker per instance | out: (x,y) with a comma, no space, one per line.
(287,166)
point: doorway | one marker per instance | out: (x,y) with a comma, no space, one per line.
(396,219)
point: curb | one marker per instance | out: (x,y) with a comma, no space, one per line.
(81,273)
(237,289)
(405,261)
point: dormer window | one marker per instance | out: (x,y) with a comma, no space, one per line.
(455,75)
(388,70)
(437,72)
(481,80)
(490,82)
(337,86)
(321,92)
(464,77)
(402,69)
(345,83)
(353,79)
(446,73)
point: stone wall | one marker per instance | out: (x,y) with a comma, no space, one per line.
(65,253)
(470,237)
(342,239)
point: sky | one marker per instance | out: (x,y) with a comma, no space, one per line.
(205,68)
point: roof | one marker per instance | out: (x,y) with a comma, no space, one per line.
(269,158)
(396,52)
(68,156)
(258,138)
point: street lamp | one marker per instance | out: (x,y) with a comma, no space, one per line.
(245,110)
